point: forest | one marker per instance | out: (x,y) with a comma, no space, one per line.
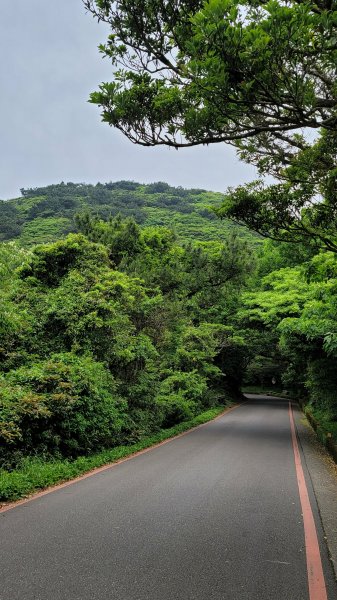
(120,330)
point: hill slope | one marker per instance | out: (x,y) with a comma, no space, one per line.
(46,214)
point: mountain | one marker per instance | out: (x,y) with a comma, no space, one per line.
(46,214)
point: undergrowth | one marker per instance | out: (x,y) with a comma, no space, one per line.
(36,474)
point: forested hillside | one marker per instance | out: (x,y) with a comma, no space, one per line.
(121,330)
(48,213)
(113,334)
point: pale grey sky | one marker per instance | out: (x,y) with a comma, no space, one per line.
(48,131)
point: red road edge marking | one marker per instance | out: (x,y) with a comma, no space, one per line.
(317,589)
(59,486)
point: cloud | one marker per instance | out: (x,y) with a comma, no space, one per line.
(49,132)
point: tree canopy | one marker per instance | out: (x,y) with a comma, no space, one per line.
(114,333)
(258,75)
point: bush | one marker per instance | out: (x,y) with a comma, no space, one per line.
(51,262)
(321,382)
(180,397)
(66,405)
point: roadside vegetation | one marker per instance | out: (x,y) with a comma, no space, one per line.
(260,76)
(128,309)
(36,473)
(114,336)
(291,314)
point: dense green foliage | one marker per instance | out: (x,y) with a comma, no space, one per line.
(36,472)
(301,207)
(258,75)
(120,331)
(217,70)
(112,335)
(45,214)
(290,316)
(139,310)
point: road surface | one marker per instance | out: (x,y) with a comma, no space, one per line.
(212,515)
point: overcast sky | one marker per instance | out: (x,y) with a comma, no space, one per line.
(49,133)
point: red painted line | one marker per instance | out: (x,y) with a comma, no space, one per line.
(59,486)
(317,589)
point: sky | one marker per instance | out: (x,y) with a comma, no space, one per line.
(48,130)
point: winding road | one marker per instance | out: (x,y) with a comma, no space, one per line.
(216,514)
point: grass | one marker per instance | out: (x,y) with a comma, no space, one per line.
(35,473)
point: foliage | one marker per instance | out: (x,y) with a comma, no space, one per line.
(216,71)
(111,334)
(180,396)
(35,473)
(43,215)
(117,332)
(296,308)
(44,229)
(258,75)
(301,209)
(65,405)
(321,382)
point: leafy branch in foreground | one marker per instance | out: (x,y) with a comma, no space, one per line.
(258,75)
(301,208)
(222,70)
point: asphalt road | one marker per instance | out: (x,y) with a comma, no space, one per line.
(214,514)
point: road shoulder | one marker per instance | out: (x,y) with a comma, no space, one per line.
(323,473)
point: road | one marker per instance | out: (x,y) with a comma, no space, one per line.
(212,515)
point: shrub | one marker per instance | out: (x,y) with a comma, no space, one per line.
(321,382)
(180,396)
(66,405)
